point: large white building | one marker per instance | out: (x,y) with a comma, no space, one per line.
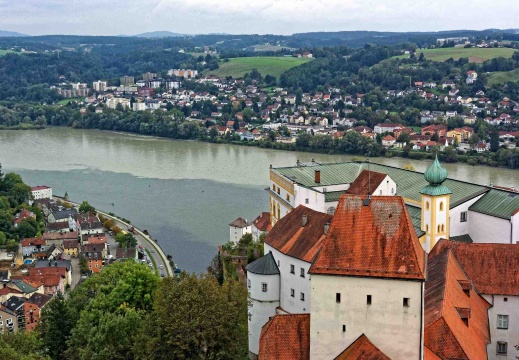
(238,228)
(99,86)
(352,271)
(41,192)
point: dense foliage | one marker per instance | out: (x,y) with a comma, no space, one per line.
(127,312)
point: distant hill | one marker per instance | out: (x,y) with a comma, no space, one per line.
(159,34)
(10,34)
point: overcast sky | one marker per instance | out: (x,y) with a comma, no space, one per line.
(116,17)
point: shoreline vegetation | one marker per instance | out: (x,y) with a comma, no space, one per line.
(486,159)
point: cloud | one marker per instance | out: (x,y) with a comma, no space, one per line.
(112,17)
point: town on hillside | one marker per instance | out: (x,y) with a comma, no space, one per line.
(368,261)
(76,242)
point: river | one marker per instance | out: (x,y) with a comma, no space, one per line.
(185,193)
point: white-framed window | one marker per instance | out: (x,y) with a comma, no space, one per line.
(292,269)
(302,272)
(502,348)
(292,292)
(502,321)
(463,216)
(264,287)
(302,296)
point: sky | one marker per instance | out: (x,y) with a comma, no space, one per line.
(129,17)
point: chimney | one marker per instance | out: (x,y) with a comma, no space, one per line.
(305,220)
(326,228)
(317,176)
(366,200)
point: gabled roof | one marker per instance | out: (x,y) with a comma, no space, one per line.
(240,223)
(291,238)
(493,268)
(362,349)
(262,222)
(446,304)
(265,265)
(14,303)
(366,183)
(40,300)
(23,286)
(371,237)
(497,203)
(37,241)
(286,337)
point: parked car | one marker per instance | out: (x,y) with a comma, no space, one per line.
(161,266)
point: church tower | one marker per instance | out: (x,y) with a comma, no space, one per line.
(435,205)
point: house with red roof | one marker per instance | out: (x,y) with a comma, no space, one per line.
(388,141)
(260,225)
(32,246)
(23,215)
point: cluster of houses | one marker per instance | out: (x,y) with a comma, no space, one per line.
(367,261)
(45,267)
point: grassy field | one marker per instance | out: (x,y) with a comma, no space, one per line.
(476,55)
(4,52)
(266,65)
(501,77)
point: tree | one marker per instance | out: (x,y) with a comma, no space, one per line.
(435,137)
(22,346)
(21,193)
(473,140)
(126,240)
(55,327)
(404,138)
(209,321)
(494,140)
(28,228)
(85,207)
(109,224)
(450,154)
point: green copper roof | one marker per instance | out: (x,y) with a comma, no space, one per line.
(497,203)
(415,213)
(333,195)
(409,183)
(435,173)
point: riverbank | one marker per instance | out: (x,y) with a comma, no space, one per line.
(504,158)
(158,256)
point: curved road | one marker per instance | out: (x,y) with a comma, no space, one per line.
(156,252)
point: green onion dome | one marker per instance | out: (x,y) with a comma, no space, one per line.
(435,174)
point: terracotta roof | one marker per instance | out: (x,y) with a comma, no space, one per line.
(376,240)
(240,223)
(429,355)
(70,244)
(8,290)
(262,222)
(94,240)
(286,337)
(362,349)
(493,268)
(446,304)
(44,271)
(60,225)
(301,242)
(47,280)
(60,236)
(366,183)
(38,241)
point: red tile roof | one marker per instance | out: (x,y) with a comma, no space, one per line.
(429,355)
(301,242)
(366,183)
(49,280)
(38,241)
(61,236)
(362,349)
(285,337)
(8,290)
(493,268)
(262,222)
(446,304)
(44,271)
(377,240)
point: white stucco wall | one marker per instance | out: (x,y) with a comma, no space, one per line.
(288,281)
(396,330)
(235,233)
(457,227)
(510,335)
(262,305)
(488,229)
(515,228)
(386,188)
(309,198)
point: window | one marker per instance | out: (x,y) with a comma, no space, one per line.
(406,302)
(392,191)
(427,205)
(463,216)
(292,292)
(443,228)
(307,201)
(288,197)
(248,283)
(264,287)
(278,263)
(331,210)
(302,272)
(302,296)
(502,321)
(441,205)
(438,228)
(368,300)
(505,299)
(338,298)
(343,328)
(502,348)
(292,269)
(380,192)
(273,187)
(426,228)
(279,191)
